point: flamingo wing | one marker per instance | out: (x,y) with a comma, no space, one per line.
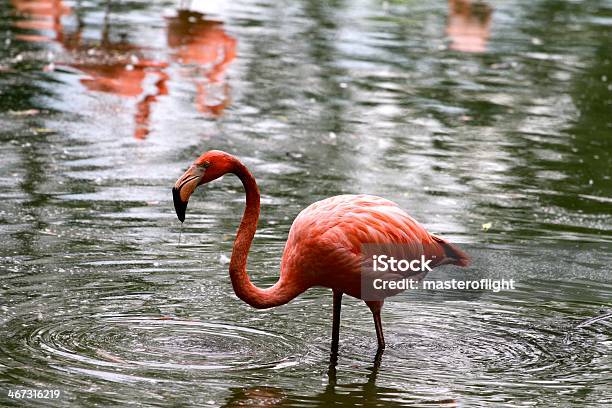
(332,235)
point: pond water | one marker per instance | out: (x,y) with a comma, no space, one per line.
(490,123)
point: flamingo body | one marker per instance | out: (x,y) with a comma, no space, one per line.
(325,242)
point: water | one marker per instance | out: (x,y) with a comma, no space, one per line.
(499,115)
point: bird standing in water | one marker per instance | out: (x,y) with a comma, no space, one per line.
(325,242)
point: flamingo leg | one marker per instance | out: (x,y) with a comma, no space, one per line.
(336,322)
(379,331)
(375,307)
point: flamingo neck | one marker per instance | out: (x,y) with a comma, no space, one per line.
(281,292)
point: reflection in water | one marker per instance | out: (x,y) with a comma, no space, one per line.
(206,51)
(43,15)
(123,69)
(469,25)
(126,77)
(115,67)
(256,397)
(354,394)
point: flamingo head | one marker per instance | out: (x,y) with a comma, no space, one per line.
(208,167)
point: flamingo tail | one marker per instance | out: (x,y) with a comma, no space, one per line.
(454,255)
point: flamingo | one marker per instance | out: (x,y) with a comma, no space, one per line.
(324,244)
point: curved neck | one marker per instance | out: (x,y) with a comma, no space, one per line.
(282,292)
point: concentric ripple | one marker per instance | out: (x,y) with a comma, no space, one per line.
(159,343)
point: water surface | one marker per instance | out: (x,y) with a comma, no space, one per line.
(493,114)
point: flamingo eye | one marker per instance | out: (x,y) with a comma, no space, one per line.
(206,164)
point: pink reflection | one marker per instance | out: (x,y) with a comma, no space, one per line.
(127,80)
(203,46)
(118,68)
(125,76)
(42,15)
(469,25)
(124,69)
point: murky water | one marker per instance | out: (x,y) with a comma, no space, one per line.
(497,114)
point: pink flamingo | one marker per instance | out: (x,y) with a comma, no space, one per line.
(324,244)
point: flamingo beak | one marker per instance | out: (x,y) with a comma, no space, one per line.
(184,188)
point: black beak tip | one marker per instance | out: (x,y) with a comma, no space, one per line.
(179,206)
